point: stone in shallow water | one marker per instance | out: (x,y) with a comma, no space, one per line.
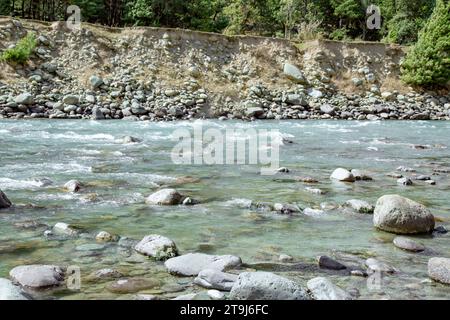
(90,247)
(375,265)
(192,263)
(439,269)
(105,274)
(214,279)
(164,197)
(408,244)
(157,246)
(64,228)
(37,276)
(405,182)
(72,186)
(343,175)
(323,289)
(266,286)
(9,291)
(132,285)
(326,262)
(4,201)
(360,206)
(397,214)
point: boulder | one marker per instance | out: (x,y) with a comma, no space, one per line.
(65,229)
(192,263)
(4,201)
(71,100)
(343,175)
(323,289)
(266,286)
(97,114)
(164,197)
(361,175)
(104,236)
(397,214)
(24,98)
(374,265)
(37,276)
(326,262)
(158,247)
(439,269)
(9,291)
(214,279)
(294,73)
(95,81)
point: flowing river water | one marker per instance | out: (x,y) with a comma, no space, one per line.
(118,177)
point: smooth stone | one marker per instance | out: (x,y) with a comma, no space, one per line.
(285,258)
(405,182)
(360,206)
(213,279)
(24,98)
(375,265)
(286,208)
(216,295)
(323,289)
(439,269)
(164,197)
(64,228)
(71,100)
(294,73)
(192,263)
(266,286)
(130,139)
(72,186)
(105,274)
(343,175)
(158,247)
(42,182)
(408,244)
(132,285)
(4,201)
(397,214)
(9,291)
(326,262)
(313,212)
(361,175)
(37,276)
(90,247)
(104,236)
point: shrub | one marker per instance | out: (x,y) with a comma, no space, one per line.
(22,51)
(428,62)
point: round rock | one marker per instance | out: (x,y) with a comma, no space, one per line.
(158,247)
(408,244)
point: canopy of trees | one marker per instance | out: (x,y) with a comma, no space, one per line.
(335,19)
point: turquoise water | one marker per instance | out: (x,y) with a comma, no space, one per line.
(119,176)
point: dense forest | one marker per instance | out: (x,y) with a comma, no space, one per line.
(401,20)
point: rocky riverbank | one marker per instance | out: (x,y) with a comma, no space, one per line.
(164,75)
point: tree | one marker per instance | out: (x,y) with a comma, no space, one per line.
(428,62)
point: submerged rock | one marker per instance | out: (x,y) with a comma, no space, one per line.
(9,291)
(37,276)
(323,289)
(164,197)
(266,286)
(360,206)
(394,213)
(132,285)
(4,201)
(326,262)
(104,236)
(343,175)
(439,269)
(64,228)
(214,279)
(361,175)
(158,247)
(105,274)
(375,265)
(192,263)
(408,244)
(286,208)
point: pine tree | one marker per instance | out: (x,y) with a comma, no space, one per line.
(428,62)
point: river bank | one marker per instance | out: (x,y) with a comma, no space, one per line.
(279,224)
(167,74)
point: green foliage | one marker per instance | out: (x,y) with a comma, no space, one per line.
(428,62)
(22,51)
(339,34)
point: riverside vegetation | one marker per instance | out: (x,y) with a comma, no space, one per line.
(82,193)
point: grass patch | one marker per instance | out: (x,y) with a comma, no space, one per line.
(21,53)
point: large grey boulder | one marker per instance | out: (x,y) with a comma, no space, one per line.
(158,247)
(323,289)
(343,175)
(397,214)
(214,279)
(439,269)
(294,73)
(24,98)
(9,291)
(37,276)
(4,201)
(192,263)
(266,286)
(164,197)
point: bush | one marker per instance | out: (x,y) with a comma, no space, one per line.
(339,34)
(428,62)
(404,29)
(22,51)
